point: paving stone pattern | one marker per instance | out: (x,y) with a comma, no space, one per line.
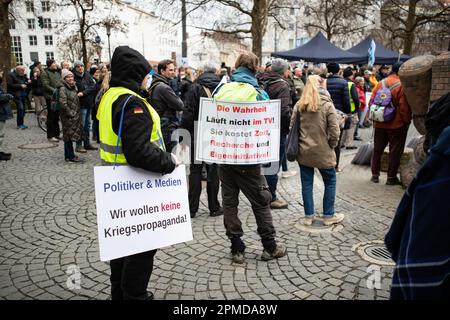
(48,227)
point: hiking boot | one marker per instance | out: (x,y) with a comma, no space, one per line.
(90,147)
(308,220)
(393,182)
(238,257)
(288,174)
(216,213)
(278,204)
(334,219)
(375,179)
(80,150)
(280,251)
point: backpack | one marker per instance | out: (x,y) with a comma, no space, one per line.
(55,103)
(382,109)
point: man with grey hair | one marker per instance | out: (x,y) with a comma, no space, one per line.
(204,86)
(274,83)
(17,84)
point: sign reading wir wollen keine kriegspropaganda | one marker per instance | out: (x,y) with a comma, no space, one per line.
(231,132)
(139,211)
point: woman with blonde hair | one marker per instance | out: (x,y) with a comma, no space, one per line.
(318,136)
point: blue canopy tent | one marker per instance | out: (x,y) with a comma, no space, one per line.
(320,50)
(383,55)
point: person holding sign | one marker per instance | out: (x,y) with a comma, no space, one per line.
(246,178)
(130,133)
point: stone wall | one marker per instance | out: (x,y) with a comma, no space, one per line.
(441,76)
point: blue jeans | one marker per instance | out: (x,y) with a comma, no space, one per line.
(68,150)
(272,180)
(86,121)
(360,114)
(20,105)
(307,179)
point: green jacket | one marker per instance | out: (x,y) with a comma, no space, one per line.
(51,80)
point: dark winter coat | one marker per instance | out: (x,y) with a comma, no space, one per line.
(278,88)
(15,82)
(128,69)
(338,89)
(37,86)
(51,80)
(86,85)
(70,112)
(5,107)
(419,236)
(164,99)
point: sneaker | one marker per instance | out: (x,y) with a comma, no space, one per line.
(90,147)
(238,257)
(375,179)
(339,170)
(288,174)
(278,204)
(308,221)
(80,150)
(53,139)
(22,126)
(280,251)
(334,219)
(216,213)
(393,182)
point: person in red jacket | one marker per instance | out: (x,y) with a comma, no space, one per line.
(393,132)
(359,82)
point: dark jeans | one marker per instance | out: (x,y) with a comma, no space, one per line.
(337,150)
(329,196)
(53,130)
(195,187)
(68,150)
(20,105)
(250,181)
(86,121)
(272,180)
(396,138)
(130,276)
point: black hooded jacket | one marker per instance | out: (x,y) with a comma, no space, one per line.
(163,98)
(128,69)
(192,99)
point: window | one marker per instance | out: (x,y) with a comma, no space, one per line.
(12,24)
(291,43)
(49,55)
(16,49)
(31,23)
(33,40)
(34,56)
(48,40)
(30,6)
(47,23)
(45,6)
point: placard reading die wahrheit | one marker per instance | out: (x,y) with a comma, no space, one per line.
(231,132)
(139,211)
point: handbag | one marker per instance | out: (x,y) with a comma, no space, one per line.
(292,139)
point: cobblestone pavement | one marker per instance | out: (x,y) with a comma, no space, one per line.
(48,225)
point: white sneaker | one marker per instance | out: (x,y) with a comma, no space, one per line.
(288,174)
(334,219)
(308,220)
(53,139)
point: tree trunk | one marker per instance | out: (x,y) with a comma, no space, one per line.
(83,38)
(183,29)
(5,39)
(410,27)
(259,16)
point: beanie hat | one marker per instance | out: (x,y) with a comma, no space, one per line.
(92,70)
(348,72)
(77,63)
(50,62)
(396,66)
(333,67)
(279,66)
(65,73)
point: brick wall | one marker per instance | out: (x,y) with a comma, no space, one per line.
(441,76)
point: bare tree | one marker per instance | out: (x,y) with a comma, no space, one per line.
(72,47)
(404,19)
(5,37)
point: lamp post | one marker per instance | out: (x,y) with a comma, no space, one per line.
(108,33)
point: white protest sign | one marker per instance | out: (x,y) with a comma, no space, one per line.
(231,132)
(139,211)
(366,109)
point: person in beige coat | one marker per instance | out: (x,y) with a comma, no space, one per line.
(318,136)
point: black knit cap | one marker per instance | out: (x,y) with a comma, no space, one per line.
(348,72)
(50,62)
(333,67)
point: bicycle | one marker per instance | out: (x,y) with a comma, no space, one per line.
(42,119)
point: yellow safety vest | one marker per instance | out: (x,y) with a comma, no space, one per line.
(108,138)
(352,103)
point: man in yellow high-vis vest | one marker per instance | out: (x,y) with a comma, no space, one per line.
(124,111)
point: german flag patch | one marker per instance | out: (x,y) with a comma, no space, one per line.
(138,110)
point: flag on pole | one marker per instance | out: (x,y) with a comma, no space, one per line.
(371,53)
